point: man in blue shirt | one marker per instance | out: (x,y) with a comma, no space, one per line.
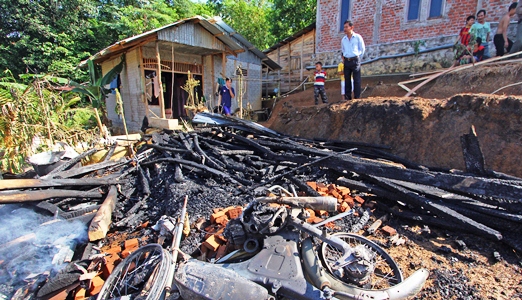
(352,47)
(226,93)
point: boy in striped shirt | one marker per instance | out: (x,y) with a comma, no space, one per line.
(320,77)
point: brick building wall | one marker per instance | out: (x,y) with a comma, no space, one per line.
(385,21)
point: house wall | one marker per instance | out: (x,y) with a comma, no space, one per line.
(134,108)
(191,34)
(149,51)
(385,21)
(289,57)
(383,26)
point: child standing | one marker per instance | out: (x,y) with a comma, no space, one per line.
(340,71)
(320,78)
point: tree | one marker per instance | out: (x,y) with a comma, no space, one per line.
(289,16)
(42,36)
(247,17)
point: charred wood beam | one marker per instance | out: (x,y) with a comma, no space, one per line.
(213,171)
(28,196)
(267,153)
(437,208)
(144,181)
(12,184)
(211,162)
(178,173)
(470,185)
(186,141)
(90,168)
(237,152)
(422,219)
(303,186)
(222,144)
(473,157)
(297,169)
(491,211)
(70,163)
(380,154)
(166,148)
(349,144)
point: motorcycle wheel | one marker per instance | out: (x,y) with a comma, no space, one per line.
(386,273)
(143,274)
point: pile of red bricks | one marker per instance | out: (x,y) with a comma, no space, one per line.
(215,244)
(113,256)
(344,199)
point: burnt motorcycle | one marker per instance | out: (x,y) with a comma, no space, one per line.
(281,257)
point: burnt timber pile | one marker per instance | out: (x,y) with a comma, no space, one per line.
(230,163)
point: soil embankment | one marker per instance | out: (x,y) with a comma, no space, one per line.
(426,131)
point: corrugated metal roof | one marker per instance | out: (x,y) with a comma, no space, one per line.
(265,59)
(121,46)
(291,38)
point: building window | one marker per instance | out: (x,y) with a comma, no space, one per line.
(435,8)
(413,10)
(345,12)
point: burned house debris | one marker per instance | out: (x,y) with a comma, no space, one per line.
(250,194)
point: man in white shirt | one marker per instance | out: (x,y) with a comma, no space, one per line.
(352,47)
(517,46)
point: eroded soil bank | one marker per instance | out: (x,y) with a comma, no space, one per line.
(426,131)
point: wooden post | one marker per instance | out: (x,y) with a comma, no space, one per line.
(289,67)
(279,72)
(172,83)
(103,218)
(158,73)
(224,64)
(301,75)
(213,79)
(142,82)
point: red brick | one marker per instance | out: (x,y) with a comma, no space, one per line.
(80,294)
(389,230)
(359,200)
(132,244)
(111,262)
(96,285)
(212,243)
(222,250)
(344,207)
(312,184)
(113,250)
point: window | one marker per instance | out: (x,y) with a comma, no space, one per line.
(345,12)
(435,8)
(413,10)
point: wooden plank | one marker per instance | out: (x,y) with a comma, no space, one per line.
(158,73)
(103,218)
(473,157)
(31,196)
(430,78)
(90,168)
(70,163)
(438,208)
(142,82)
(11,184)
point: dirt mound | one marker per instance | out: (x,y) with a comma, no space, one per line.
(426,131)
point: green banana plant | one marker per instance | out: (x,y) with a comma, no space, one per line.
(95,89)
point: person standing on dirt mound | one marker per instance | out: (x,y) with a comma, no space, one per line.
(482,29)
(517,46)
(320,78)
(352,47)
(500,39)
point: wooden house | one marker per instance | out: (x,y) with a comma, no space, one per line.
(293,54)
(208,48)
